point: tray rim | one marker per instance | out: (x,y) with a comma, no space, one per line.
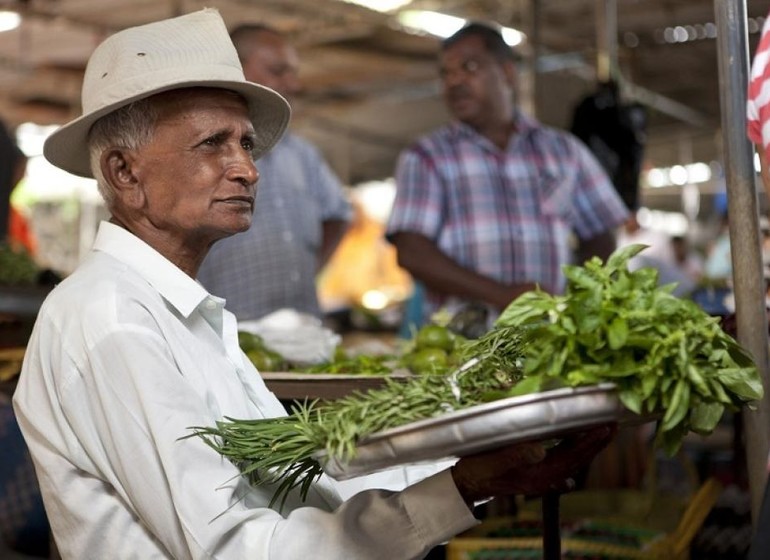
(389,439)
(485,408)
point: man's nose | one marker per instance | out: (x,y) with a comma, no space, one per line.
(243,168)
(453,77)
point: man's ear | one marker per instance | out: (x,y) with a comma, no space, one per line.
(117,168)
(509,70)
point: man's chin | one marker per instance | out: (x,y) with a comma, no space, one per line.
(235,229)
(467,117)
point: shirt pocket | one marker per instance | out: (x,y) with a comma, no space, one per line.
(555,195)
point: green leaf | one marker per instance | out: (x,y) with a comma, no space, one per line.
(698,380)
(526,386)
(645,279)
(678,407)
(632,400)
(671,441)
(744,382)
(586,375)
(528,306)
(620,257)
(705,416)
(648,385)
(617,333)
(737,353)
(581,278)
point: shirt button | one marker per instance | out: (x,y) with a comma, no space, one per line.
(279,203)
(294,276)
(287,236)
(211,305)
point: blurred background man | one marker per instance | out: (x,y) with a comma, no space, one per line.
(488,206)
(301,211)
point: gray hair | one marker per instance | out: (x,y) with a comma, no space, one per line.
(129,127)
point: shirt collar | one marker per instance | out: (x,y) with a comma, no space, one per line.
(176,287)
(524,125)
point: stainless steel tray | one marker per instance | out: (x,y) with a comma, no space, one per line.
(529,417)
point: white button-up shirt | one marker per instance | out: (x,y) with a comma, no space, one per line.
(128,353)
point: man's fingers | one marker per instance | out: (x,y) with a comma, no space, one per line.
(527,453)
(584,444)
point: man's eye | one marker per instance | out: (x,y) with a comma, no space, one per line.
(212,140)
(248,144)
(471,66)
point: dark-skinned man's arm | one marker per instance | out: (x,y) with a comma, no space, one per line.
(601,246)
(427,263)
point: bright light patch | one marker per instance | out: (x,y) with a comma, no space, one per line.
(9,20)
(380,5)
(435,23)
(444,25)
(375,300)
(657,178)
(678,175)
(698,172)
(513,36)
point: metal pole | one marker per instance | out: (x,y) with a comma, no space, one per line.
(742,204)
(551,527)
(606,40)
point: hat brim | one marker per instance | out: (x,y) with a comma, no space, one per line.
(67,147)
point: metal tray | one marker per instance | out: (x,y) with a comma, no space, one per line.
(479,428)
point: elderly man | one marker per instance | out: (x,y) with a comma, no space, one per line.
(130,351)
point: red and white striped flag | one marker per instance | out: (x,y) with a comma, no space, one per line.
(758,106)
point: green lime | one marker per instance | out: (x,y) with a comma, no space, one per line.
(266,360)
(249,341)
(435,336)
(340,354)
(428,360)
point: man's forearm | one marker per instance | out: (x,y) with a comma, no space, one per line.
(425,262)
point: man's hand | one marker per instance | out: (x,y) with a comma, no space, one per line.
(528,468)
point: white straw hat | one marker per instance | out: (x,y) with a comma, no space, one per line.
(186,51)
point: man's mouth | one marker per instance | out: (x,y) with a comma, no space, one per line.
(239,200)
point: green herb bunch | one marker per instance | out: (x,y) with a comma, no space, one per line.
(17,266)
(667,356)
(283,451)
(362,364)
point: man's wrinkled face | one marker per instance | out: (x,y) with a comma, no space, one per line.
(477,87)
(197,174)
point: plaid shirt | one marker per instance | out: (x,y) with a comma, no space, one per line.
(508,215)
(274,264)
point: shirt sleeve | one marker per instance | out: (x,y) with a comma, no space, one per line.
(333,203)
(597,206)
(192,501)
(418,205)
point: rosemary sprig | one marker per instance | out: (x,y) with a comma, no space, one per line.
(281,450)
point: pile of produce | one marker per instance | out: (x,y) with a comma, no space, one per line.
(17,267)
(666,355)
(433,349)
(668,358)
(261,355)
